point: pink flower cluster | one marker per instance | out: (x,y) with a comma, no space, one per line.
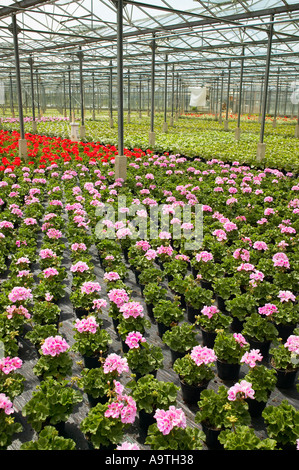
(168,419)
(111,276)
(132,309)
(118,296)
(88,324)
(281,260)
(209,311)
(241,253)
(204,256)
(220,235)
(241,389)
(79,267)
(246,267)
(54,233)
(134,339)
(90,287)
(292,344)
(20,294)
(6,404)
(114,362)
(8,364)
(268,309)
(251,357)
(203,355)
(286,295)
(50,272)
(260,245)
(98,304)
(124,407)
(127,446)
(240,339)
(47,253)
(78,246)
(54,345)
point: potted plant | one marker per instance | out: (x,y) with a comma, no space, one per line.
(128,325)
(54,360)
(217,413)
(11,382)
(167,314)
(90,340)
(170,432)
(39,333)
(263,381)
(260,332)
(240,307)
(285,361)
(286,316)
(8,426)
(83,297)
(151,394)
(195,372)
(196,298)
(51,403)
(210,320)
(96,384)
(180,339)
(44,313)
(282,424)
(152,293)
(229,349)
(49,439)
(244,438)
(225,288)
(105,424)
(145,359)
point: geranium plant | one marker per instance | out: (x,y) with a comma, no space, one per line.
(244,438)
(171,432)
(90,339)
(259,328)
(217,412)
(11,382)
(144,358)
(168,313)
(286,356)
(282,423)
(181,338)
(195,368)
(212,319)
(54,360)
(8,426)
(52,402)
(151,393)
(49,439)
(230,347)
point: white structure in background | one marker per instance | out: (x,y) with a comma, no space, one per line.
(2,93)
(198,96)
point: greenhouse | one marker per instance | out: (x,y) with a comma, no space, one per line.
(149,206)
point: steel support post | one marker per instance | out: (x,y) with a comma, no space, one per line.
(22,141)
(82,127)
(261,145)
(152,133)
(110,95)
(140,97)
(129,98)
(297,125)
(64,96)
(227,97)
(34,126)
(172,97)
(93,98)
(11,96)
(70,94)
(120,159)
(221,98)
(165,125)
(238,129)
